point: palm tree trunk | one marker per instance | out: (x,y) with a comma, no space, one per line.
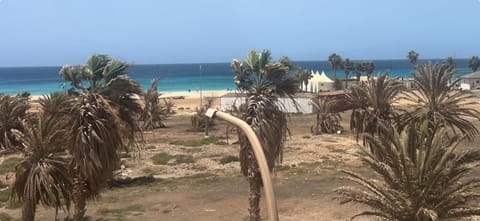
(28,210)
(79,197)
(254,179)
(346,81)
(334,73)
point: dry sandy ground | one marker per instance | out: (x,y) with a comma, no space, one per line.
(206,190)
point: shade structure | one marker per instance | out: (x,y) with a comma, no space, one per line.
(320,82)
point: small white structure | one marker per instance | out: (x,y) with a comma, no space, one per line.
(470,81)
(320,82)
(302,104)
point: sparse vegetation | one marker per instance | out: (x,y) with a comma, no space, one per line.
(6,217)
(122,211)
(198,143)
(163,158)
(229,159)
(9,164)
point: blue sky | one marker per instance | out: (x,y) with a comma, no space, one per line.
(56,32)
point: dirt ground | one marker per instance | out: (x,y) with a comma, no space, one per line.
(203,189)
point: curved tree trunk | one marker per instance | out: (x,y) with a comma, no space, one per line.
(28,210)
(79,197)
(255,182)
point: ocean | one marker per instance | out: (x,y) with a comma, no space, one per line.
(179,77)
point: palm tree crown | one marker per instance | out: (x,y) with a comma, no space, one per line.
(373,104)
(335,61)
(437,100)
(412,57)
(474,63)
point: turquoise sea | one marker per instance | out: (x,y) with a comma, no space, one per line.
(177,77)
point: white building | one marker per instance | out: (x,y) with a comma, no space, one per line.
(470,81)
(302,104)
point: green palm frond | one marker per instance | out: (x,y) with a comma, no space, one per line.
(419,175)
(438,101)
(113,69)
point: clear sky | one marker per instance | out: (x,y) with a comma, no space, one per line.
(56,32)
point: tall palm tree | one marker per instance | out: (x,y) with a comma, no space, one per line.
(335,61)
(347,67)
(102,123)
(419,176)
(373,104)
(263,82)
(450,62)
(13,110)
(287,62)
(412,57)
(357,69)
(437,100)
(43,176)
(303,76)
(369,67)
(474,63)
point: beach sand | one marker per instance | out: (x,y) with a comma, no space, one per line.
(185,102)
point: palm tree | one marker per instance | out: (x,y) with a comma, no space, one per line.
(327,121)
(417,177)
(450,62)
(335,61)
(303,76)
(439,102)
(263,83)
(153,113)
(347,67)
(412,57)
(13,110)
(372,105)
(287,62)
(369,67)
(474,63)
(102,123)
(357,69)
(43,176)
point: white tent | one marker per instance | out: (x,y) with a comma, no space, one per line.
(320,82)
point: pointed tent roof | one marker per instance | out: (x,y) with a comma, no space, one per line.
(324,78)
(316,77)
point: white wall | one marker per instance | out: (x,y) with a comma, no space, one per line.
(474,83)
(464,86)
(304,105)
